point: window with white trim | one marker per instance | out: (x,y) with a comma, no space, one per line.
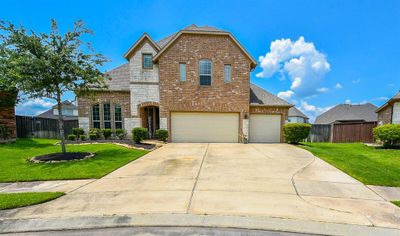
(205,69)
(227,73)
(182,71)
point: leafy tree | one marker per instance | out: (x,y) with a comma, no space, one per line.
(48,65)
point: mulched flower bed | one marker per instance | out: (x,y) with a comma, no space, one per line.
(123,142)
(58,157)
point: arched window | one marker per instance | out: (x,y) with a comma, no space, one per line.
(205,72)
(96,116)
(118,116)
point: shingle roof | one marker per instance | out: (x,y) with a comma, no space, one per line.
(66,105)
(293,111)
(347,112)
(192,27)
(119,78)
(396,97)
(259,96)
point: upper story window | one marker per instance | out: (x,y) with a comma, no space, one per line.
(107,116)
(96,116)
(182,71)
(227,74)
(147,61)
(205,72)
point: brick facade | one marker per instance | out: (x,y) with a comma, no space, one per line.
(85,104)
(385,115)
(189,95)
(283,111)
(7,118)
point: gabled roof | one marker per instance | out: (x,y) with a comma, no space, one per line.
(396,97)
(259,96)
(348,112)
(194,29)
(293,111)
(143,37)
(66,105)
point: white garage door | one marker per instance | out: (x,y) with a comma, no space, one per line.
(204,127)
(265,128)
(396,113)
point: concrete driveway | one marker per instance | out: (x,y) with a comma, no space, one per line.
(273,180)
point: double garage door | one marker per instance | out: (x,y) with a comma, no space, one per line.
(204,127)
(222,127)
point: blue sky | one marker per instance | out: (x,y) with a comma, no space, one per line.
(356,42)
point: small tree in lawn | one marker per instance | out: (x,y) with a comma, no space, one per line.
(48,65)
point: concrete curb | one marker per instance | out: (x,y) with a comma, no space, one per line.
(188,220)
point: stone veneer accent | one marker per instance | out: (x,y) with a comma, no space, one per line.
(283,111)
(85,104)
(143,82)
(385,115)
(189,95)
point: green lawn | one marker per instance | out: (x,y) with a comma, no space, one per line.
(14,200)
(370,165)
(15,167)
(397,203)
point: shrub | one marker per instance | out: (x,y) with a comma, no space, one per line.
(388,134)
(71,137)
(120,133)
(95,131)
(106,133)
(295,132)
(92,136)
(162,134)
(139,134)
(78,131)
(82,137)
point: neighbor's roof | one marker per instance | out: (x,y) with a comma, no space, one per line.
(293,111)
(259,96)
(348,112)
(119,78)
(162,45)
(66,105)
(396,97)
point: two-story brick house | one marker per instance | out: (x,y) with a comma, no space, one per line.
(194,83)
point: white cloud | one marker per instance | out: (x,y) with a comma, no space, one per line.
(305,66)
(380,99)
(286,94)
(338,86)
(322,90)
(357,81)
(33,107)
(312,111)
(348,101)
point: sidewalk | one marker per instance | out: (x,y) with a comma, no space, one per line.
(65,186)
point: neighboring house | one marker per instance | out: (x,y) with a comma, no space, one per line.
(347,113)
(7,116)
(69,112)
(194,83)
(389,113)
(296,116)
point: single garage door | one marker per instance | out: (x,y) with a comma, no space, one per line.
(204,127)
(265,128)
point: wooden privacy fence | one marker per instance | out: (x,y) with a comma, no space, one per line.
(353,132)
(319,133)
(36,127)
(343,132)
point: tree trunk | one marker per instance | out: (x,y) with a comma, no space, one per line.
(61,123)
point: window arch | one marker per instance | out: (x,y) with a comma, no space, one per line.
(205,71)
